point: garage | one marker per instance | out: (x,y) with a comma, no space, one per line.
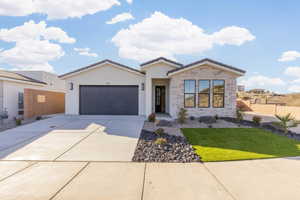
(108,99)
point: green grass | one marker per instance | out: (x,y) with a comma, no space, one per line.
(223,144)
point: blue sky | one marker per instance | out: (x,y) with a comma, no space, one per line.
(261,37)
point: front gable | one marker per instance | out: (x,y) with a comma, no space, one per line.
(106,74)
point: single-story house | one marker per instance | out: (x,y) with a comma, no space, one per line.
(30,93)
(205,87)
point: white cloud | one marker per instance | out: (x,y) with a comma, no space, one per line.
(16,7)
(33,31)
(160,35)
(296,81)
(33,46)
(260,81)
(85,52)
(55,9)
(120,18)
(289,56)
(292,71)
(294,88)
(129,1)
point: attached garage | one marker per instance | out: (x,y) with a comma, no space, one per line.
(109,100)
(105,88)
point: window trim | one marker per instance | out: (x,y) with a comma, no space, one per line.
(195,93)
(209,94)
(213,93)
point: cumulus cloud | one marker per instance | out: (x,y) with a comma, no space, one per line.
(289,56)
(129,1)
(34,46)
(294,88)
(292,71)
(16,7)
(120,18)
(260,81)
(55,9)
(160,35)
(85,52)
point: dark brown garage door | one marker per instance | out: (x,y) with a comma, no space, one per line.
(108,100)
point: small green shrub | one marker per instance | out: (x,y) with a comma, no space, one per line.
(286,122)
(256,120)
(216,117)
(159,131)
(38,118)
(160,141)
(239,115)
(182,116)
(152,117)
(18,121)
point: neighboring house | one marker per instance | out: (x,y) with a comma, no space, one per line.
(20,90)
(205,87)
(241,88)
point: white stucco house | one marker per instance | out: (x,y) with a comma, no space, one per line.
(13,84)
(205,87)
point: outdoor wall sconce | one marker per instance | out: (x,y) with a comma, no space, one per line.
(71,86)
(143,86)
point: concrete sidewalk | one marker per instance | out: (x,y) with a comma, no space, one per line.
(274,179)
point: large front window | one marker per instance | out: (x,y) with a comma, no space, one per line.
(189,93)
(218,93)
(204,94)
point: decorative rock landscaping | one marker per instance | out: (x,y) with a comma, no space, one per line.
(176,149)
(269,126)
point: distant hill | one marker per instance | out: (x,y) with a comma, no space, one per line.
(289,99)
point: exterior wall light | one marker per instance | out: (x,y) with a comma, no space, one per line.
(71,86)
(143,86)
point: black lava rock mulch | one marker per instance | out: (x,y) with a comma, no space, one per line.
(176,149)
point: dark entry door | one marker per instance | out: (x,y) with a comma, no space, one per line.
(108,100)
(160,99)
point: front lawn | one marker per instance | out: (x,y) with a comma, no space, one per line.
(220,144)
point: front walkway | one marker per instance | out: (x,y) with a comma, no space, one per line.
(274,179)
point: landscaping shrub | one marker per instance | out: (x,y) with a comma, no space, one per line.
(216,117)
(239,115)
(256,120)
(152,117)
(160,141)
(192,118)
(207,119)
(286,121)
(159,131)
(182,116)
(38,118)
(18,121)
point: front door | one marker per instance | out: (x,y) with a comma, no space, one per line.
(160,99)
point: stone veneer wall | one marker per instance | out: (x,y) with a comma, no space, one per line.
(205,72)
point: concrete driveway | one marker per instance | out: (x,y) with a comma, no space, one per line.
(73,138)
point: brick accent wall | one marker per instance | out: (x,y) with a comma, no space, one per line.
(41,102)
(205,72)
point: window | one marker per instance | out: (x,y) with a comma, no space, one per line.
(218,93)
(20,103)
(189,93)
(204,94)
(20,100)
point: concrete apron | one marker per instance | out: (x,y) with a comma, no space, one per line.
(50,146)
